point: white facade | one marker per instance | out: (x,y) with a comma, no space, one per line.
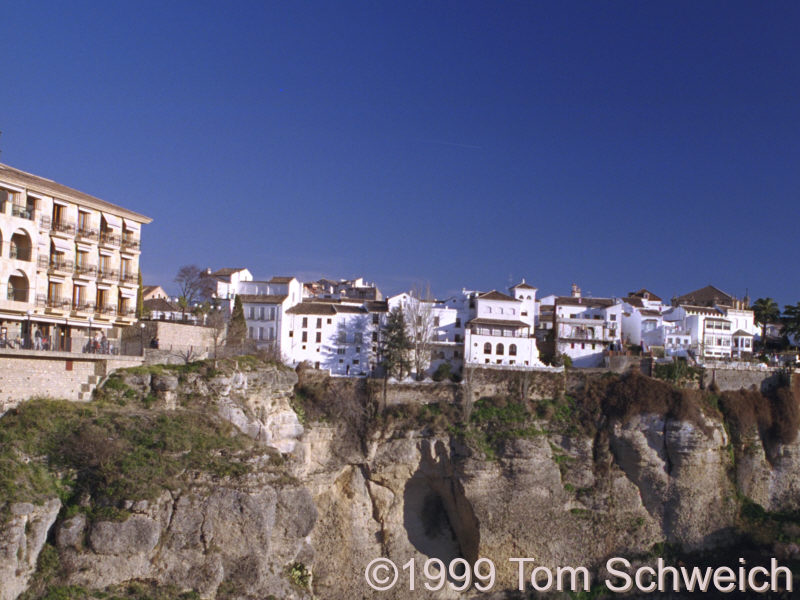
(718,332)
(492,328)
(585,327)
(339,336)
(68,261)
(265,304)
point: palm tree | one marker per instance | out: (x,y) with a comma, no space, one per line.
(766,311)
(791,321)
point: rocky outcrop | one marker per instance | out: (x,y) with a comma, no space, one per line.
(22,536)
(343,497)
(198,539)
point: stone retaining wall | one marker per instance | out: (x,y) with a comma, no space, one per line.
(26,374)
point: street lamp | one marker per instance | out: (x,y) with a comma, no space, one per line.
(141,325)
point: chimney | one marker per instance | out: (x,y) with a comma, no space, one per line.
(576,291)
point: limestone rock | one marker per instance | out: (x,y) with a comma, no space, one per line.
(22,536)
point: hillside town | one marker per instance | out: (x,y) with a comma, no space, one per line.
(71,283)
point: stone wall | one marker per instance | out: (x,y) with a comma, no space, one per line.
(26,374)
(173,338)
(763,380)
(423,392)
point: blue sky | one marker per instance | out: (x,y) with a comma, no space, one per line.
(619,145)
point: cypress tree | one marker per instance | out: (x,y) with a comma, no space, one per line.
(237,328)
(396,344)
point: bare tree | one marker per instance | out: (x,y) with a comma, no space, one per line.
(218,323)
(193,284)
(419,319)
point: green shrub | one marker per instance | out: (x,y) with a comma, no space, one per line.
(442,372)
(299,575)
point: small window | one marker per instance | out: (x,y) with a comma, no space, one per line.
(613,317)
(319,323)
(435,321)
(305,321)
(374,336)
(252,312)
(305,337)
(319,337)
(340,351)
(458,322)
(374,319)
(355,361)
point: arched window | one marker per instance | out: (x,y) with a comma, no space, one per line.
(20,246)
(512,350)
(529,297)
(511,311)
(488,309)
(500,311)
(17,289)
(487,348)
(500,349)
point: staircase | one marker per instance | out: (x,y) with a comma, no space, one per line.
(87,388)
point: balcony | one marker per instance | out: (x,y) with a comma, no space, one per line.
(21,212)
(86,233)
(107,274)
(130,243)
(86,270)
(107,310)
(63,228)
(54,302)
(129,278)
(108,238)
(86,307)
(127,312)
(61,265)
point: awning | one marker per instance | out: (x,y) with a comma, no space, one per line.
(63,245)
(132,225)
(113,222)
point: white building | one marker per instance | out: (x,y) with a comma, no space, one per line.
(720,325)
(339,336)
(265,304)
(227,284)
(501,332)
(476,328)
(583,328)
(641,314)
(69,262)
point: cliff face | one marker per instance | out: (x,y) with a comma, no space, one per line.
(514,478)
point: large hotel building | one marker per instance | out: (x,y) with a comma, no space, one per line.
(69,264)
